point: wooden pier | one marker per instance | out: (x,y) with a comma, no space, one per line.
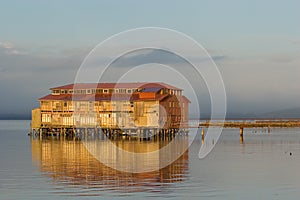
(283,123)
(101,133)
(258,123)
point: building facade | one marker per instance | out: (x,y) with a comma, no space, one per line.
(113,106)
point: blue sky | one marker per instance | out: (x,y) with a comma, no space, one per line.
(259,41)
(85,22)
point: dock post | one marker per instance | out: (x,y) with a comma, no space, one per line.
(241,131)
(241,139)
(241,135)
(40,132)
(138,131)
(202,133)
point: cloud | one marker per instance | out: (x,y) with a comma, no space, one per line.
(6,45)
(146,56)
(30,75)
(253,83)
(281,58)
(296,42)
(218,58)
(15,62)
(10,49)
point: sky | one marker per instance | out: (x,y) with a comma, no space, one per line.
(255,44)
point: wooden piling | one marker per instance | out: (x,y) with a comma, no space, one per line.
(202,135)
(241,131)
(241,139)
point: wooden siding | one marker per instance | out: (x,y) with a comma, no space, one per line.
(36,118)
(157,108)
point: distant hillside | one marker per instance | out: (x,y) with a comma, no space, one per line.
(287,113)
(15,116)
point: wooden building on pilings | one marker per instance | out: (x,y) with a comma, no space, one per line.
(115,108)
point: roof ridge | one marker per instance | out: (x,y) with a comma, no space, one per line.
(115,85)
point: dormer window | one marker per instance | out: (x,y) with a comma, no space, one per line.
(122,90)
(55,92)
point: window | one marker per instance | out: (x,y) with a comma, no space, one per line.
(99,91)
(65,104)
(64,91)
(129,91)
(122,90)
(55,92)
(105,91)
(91,105)
(46,118)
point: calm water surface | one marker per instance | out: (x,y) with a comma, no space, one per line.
(264,166)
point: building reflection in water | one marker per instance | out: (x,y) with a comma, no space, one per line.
(67,161)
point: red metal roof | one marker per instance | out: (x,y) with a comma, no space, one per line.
(116,85)
(185,99)
(62,97)
(100,97)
